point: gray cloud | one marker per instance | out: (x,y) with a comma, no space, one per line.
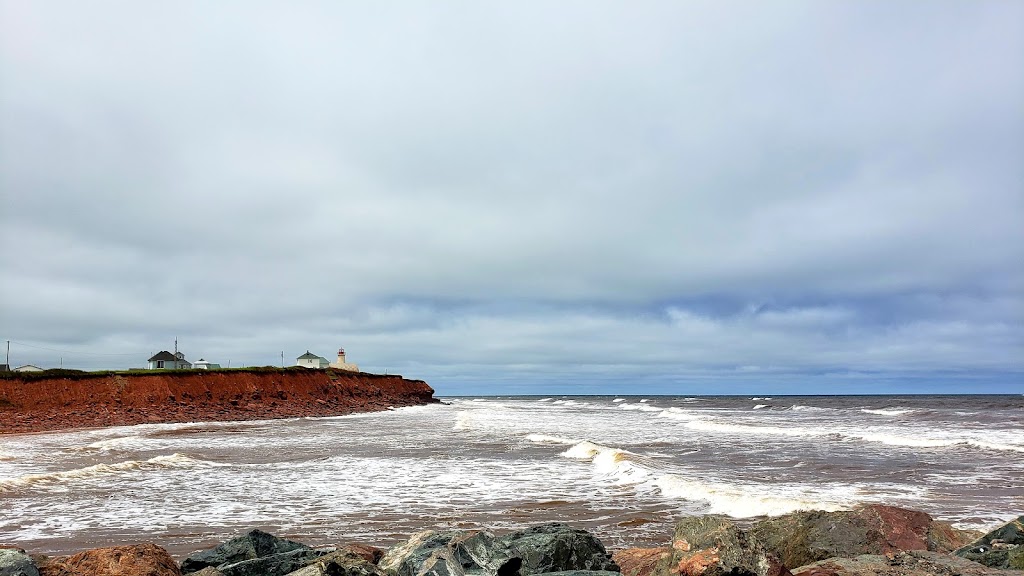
(580,193)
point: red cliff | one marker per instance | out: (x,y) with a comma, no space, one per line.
(39,402)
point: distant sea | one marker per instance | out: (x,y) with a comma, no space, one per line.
(623,467)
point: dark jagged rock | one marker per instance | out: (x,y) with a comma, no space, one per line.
(407,558)
(349,561)
(555,548)
(1000,548)
(15,562)
(804,537)
(272,564)
(254,545)
(714,546)
(136,560)
(914,563)
(541,549)
(583,573)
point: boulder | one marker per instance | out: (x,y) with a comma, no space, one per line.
(553,547)
(15,562)
(136,560)
(640,561)
(914,563)
(272,564)
(714,546)
(804,537)
(208,571)
(348,561)
(409,557)
(256,544)
(1000,548)
(540,549)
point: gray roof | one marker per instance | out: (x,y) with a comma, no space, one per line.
(162,355)
(308,356)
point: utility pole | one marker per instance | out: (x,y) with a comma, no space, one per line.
(282,358)
(8,354)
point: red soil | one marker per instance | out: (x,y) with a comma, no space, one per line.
(41,404)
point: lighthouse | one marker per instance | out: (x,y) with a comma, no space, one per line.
(342,363)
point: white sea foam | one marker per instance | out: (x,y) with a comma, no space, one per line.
(679,414)
(159,462)
(759,406)
(740,501)
(640,407)
(545,400)
(108,444)
(761,398)
(801,407)
(882,437)
(644,400)
(545,439)
(887,411)
(619,400)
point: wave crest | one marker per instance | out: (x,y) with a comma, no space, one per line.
(55,478)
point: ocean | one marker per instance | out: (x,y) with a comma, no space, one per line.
(623,467)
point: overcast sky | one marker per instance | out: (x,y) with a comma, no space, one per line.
(522,197)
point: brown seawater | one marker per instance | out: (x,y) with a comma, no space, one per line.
(622,467)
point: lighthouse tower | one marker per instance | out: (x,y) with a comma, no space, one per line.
(342,364)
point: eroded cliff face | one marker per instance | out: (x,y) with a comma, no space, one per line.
(53,403)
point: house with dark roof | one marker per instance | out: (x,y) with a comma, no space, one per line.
(310,360)
(5,368)
(164,360)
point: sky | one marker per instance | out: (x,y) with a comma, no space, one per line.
(575,197)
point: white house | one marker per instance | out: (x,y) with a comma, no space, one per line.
(205,365)
(341,364)
(164,360)
(28,368)
(310,360)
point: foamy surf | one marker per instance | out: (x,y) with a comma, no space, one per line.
(67,476)
(887,411)
(707,425)
(739,501)
(545,439)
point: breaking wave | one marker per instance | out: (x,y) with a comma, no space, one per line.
(625,467)
(55,478)
(706,425)
(887,412)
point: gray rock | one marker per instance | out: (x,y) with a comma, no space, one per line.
(551,548)
(15,562)
(1001,548)
(714,546)
(271,565)
(344,562)
(255,544)
(541,549)
(914,563)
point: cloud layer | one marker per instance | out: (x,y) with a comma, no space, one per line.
(588,196)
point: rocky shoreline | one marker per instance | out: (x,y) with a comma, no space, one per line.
(58,400)
(871,540)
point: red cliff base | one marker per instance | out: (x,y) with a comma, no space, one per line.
(43,402)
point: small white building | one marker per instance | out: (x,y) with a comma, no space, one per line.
(28,368)
(164,360)
(310,360)
(205,365)
(342,364)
